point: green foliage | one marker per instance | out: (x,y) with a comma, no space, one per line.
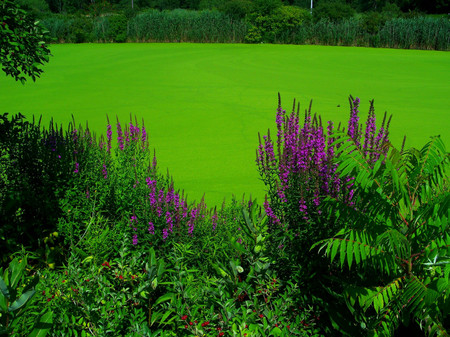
(16,291)
(333,11)
(117,295)
(23,50)
(36,166)
(186,26)
(117,28)
(266,7)
(396,228)
(237,9)
(277,26)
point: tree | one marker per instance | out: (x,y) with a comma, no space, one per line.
(396,229)
(23,49)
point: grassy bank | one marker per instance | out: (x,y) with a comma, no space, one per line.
(203,105)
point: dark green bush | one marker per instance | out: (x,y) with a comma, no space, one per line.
(334,11)
(36,167)
(237,9)
(80,29)
(372,22)
(278,26)
(117,28)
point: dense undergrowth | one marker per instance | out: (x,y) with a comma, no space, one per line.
(287,25)
(96,241)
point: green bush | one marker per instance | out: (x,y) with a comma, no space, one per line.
(395,237)
(278,26)
(237,9)
(333,11)
(117,28)
(372,22)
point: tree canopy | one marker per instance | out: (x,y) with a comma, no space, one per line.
(22,43)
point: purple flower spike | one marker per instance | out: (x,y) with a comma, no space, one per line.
(119,135)
(109,137)
(151,228)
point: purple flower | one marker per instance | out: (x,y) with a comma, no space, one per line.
(144,137)
(119,135)
(135,239)
(353,123)
(270,213)
(151,228)
(214,220)
(105,172)
(169,221)
(165,234)
(109,136)
(77,166)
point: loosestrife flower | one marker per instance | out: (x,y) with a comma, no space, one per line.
(144,137)
(77,166)
(214,220)
(105,172)
(120,135)
(109,137)
(165,234)
(151,228)
(169,221)
(135,239)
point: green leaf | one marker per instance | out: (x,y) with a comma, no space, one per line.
(356,249)
(342,252)
(350,251)
(164,317)
(43,326)
(165,297)
(276,331)
(22,300)
(4,288)
(17,271)
(336,243)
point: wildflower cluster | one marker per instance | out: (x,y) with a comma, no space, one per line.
(299,170)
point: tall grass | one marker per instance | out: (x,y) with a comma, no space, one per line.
(213,26)
(186,26)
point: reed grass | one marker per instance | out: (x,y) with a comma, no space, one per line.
(211,26)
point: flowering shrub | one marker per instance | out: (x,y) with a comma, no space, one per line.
(299,170)
(125,188)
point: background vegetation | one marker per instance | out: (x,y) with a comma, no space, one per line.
(391,24)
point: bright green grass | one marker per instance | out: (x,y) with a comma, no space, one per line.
(204,104)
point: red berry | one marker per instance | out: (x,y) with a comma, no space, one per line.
(221,334)
(186,326)
(190,323)
(261,315)
(49,299)
(184,317)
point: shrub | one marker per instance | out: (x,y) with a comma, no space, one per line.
(299,171)
(278,26)
(36,168)
(80,29)
(117,28)
(395,230)
(333,11)
(372,22)
(237,9)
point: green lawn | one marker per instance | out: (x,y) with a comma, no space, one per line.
(203,104)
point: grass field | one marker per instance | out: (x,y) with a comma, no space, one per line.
(204,104)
